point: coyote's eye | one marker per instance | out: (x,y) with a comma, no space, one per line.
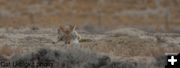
(67,42)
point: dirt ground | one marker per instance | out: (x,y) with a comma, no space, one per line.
(122,43)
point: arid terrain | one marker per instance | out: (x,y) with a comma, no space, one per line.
(131,47)
(115,33)
(108,13)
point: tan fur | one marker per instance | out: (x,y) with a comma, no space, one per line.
(68,34)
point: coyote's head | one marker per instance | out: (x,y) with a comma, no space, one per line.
(68,34)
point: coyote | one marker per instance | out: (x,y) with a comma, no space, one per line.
(68,34)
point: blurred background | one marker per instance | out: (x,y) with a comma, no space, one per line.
(159,15)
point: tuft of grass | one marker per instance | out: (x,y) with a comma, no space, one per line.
(63,59)
(72,58)
(8,52)
(34,28)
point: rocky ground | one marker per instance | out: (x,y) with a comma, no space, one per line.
(123,47)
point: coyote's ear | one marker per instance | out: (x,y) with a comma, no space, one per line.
(61,28)
(73,27)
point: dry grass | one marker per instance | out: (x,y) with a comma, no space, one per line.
(75,58)
(9,51)
(129,47)
(51,13)
(117,45)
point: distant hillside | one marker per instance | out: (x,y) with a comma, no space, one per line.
(100,12)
